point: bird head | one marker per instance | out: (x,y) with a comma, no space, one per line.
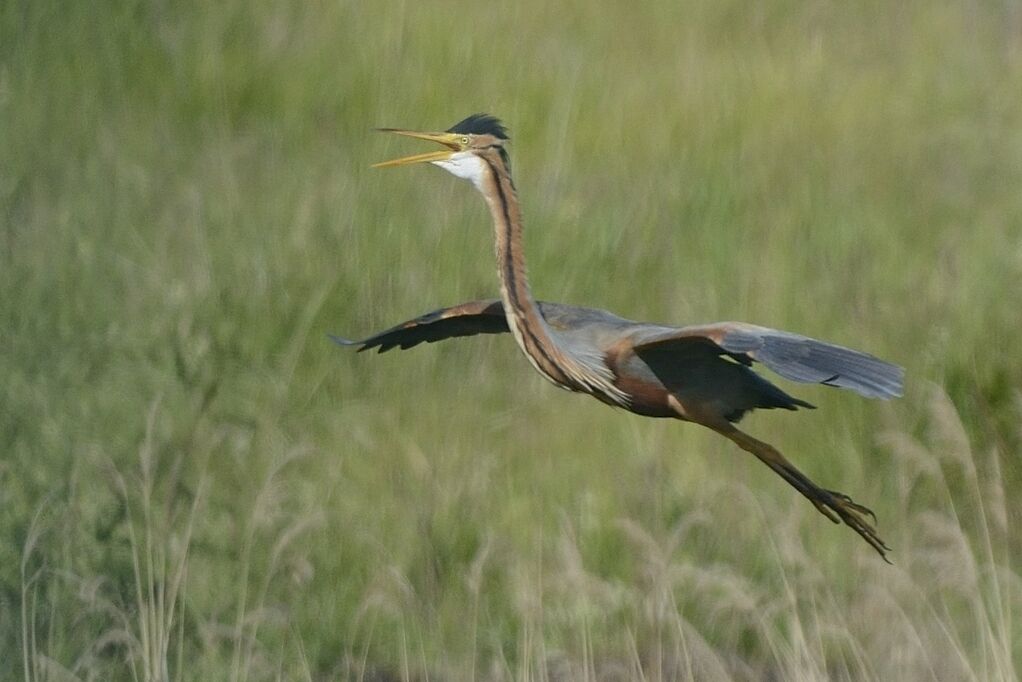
(466,143)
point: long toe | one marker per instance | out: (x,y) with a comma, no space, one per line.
(855,516)
(824,508)
(852,504)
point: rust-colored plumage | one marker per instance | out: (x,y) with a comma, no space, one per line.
(700,373)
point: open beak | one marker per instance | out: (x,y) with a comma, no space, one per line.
(449,140)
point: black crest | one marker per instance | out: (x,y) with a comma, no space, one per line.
(480,124)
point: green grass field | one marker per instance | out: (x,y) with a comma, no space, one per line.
(195,484)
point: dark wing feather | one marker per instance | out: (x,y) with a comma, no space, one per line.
(794,357)
(466,319)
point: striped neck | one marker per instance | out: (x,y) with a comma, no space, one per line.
(524,319)
(523,315)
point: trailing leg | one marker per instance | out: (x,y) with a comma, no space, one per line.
(835,506)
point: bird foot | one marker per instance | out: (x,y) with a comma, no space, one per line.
(839,507)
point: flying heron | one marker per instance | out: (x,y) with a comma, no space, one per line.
(699,373)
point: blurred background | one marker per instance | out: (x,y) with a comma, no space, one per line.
(195,484)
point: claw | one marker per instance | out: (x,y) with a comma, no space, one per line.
(849,502)
(853,514)
(839,508)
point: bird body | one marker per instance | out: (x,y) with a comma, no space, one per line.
(699,373)
(706,364)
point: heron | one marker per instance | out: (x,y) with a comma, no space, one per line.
(699,373)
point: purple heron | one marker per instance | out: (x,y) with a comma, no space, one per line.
(699,373)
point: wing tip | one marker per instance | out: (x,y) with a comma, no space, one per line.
(348,343)
(341,341)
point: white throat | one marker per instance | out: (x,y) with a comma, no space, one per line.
(464,165)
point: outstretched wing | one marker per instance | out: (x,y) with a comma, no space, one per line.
(466,319)
(794,357)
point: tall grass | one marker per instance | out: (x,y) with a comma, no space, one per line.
(196,485)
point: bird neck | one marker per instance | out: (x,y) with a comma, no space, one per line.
(524,318)
(582,369)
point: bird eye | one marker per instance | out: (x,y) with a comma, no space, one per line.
(464,140)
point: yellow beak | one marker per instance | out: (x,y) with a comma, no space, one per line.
(449,140)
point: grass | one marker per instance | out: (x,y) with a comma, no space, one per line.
(196,485)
